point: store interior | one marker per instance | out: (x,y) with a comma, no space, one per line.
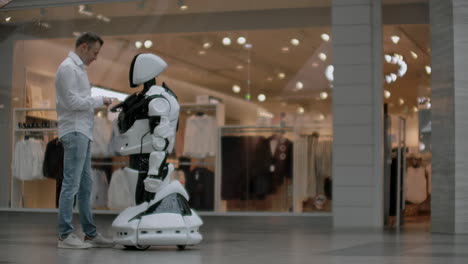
(263,76)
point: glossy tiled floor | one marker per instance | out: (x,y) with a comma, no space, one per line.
(30,238)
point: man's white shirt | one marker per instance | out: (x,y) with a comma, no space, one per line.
(75,106)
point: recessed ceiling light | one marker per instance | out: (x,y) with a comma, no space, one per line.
(285,49)
(269,78)
(236,88)
(387,94)
(148,44)
(183,7)
(393,76)
(428,69)
(201,52)
(321,117)
(138,44)
(395,39)
(299,85)
(415,109)
(388,58)
(323,95)
(300,110)
(414,54)
(261,97)
(239,67)
(401,101)
(248,46)
(322,56)
(226,41)
(281,75)
(315,64)
(8,19)
(241,40)
(329,73)
(295,42)
(207,45)
(325,36)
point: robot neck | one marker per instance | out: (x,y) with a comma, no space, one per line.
(148,84)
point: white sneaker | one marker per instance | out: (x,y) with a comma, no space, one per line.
(73,242)
(99,241)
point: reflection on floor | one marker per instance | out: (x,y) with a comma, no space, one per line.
(30,238)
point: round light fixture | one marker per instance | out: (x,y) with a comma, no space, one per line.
(325,37)
(299,85)
(239,67)
(395,39)
(401,101)
(226,41)
(138,44)
(201,52)
(329,73)
(322,56)
(323,95)
(207,45)
(387,94)
(236,88)
(285,49)
(415,109)
(248,46)
(295,42)
(428,69)
(8,19)
(261,97)
(183,7)
(148,44)
(300,110)
(241,40)
(414,54)
(321,117)
(281,75)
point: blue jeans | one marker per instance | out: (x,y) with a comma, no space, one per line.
(77,181)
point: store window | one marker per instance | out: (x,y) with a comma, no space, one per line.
(259,73)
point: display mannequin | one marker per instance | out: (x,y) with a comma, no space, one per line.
(148,124)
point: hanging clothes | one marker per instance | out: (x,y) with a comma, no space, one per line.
(200,188)
(101,137)
(200,136)
(99,190)
(28,158)
(323,163)
(53,160)
(121,192)
(416,185)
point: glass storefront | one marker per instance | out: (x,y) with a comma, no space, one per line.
(260,71)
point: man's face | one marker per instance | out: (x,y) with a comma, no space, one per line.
(89,52)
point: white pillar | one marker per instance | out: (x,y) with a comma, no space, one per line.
(357,113)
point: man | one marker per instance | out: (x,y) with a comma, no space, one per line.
(75,109)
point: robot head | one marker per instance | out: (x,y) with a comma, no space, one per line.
(145,67)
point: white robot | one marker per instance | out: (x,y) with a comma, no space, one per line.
(148,122)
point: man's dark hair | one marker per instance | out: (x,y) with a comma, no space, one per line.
(89,38)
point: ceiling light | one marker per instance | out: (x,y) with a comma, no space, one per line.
(323,95)
(321,117)
(236,88)
(300,110)
(401,101)
(182,5)
(393,76)
(207,45)
(148,44)
(239,67)
(299,85)
(387,94)
(281,75)
(85,10)
(415,109)
(201,52)
(428,105)
(269,78)
(395,39)
(295,41)
(248,46)
(241,40)
(388,79)
(261,97)
(414,54)
(428,69)
(8,19)
(329,73)
(388,58)
(226,41)
(422,146)
(315,64)
(138,44)
(322,56)
(285,49)
(325,37)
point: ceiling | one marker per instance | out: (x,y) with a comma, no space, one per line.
(257,70)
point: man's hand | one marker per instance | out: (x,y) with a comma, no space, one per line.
(107,101)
